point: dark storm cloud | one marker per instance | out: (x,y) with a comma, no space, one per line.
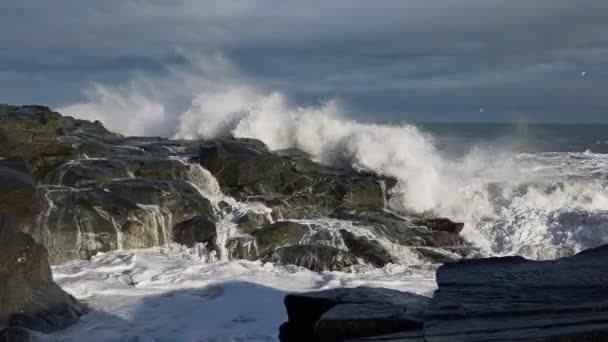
(402,59)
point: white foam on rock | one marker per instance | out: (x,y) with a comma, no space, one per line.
(170,294)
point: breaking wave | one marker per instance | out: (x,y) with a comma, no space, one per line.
(538,205)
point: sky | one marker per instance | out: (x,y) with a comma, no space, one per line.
(384,60)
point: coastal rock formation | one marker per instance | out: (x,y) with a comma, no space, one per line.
(17,191)
(491,299)
(28,296)
(517,299)
(83,189)
(341,314)
(293,186)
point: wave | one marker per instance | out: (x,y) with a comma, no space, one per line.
(537,205)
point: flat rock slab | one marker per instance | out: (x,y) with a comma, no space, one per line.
(340,314)
(514,299)
(345,321)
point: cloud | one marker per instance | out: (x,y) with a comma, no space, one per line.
(389,57)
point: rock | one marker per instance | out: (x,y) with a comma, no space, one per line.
(180,197)
(17,191)
(291,185)
(410,231)
(33,133)
(28,296)
(279,234)
(369,250)
(242,247)
(251,221)
(513,298)
(315,258)
(15,334)
(131,213)
(199,229)
(441,224)
(340,314)
(347,321)
(87,172)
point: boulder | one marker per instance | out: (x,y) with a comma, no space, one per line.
(251,221)
(412,231)
(242,247)
(317,258)
(341,314)
(35,134)
(293,186)
(279,234)
(512,298)
(17,191)
(87,172)
(131,213)
(199,229)
(369,250)
(28,296)
(441,225)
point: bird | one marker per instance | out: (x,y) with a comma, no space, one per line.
(583,73)
(481,110)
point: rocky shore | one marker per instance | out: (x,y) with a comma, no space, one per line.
(492,299)
(70,189)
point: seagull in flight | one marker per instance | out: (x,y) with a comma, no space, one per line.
(583,73)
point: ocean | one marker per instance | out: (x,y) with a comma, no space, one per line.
(535,190)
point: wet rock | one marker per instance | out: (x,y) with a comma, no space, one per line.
(441,224)
(341,314)
(292,185)
(317,258)
(15,334)
(242,247)
(87,172)
(199,229)
(347,321)
(251,221)
(369,250)
(180,197)
(516,299)
(279,234)
(28,296)
(33,133)
(132,213)
(17,191)
(409,231)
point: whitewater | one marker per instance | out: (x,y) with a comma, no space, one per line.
(537,203)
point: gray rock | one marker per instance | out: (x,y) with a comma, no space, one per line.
(347,321)
(242,247)
(315,258)
(17,191)
(199,229)
(292,185)
(344,313)
(513,298)
(28,296)
(369,250)
(131,213)
(279,234)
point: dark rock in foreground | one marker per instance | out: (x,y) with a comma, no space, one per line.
(492,299)
(28,296)
(341,314)
(517,299)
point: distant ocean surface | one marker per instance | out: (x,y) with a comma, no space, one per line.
(459,138)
